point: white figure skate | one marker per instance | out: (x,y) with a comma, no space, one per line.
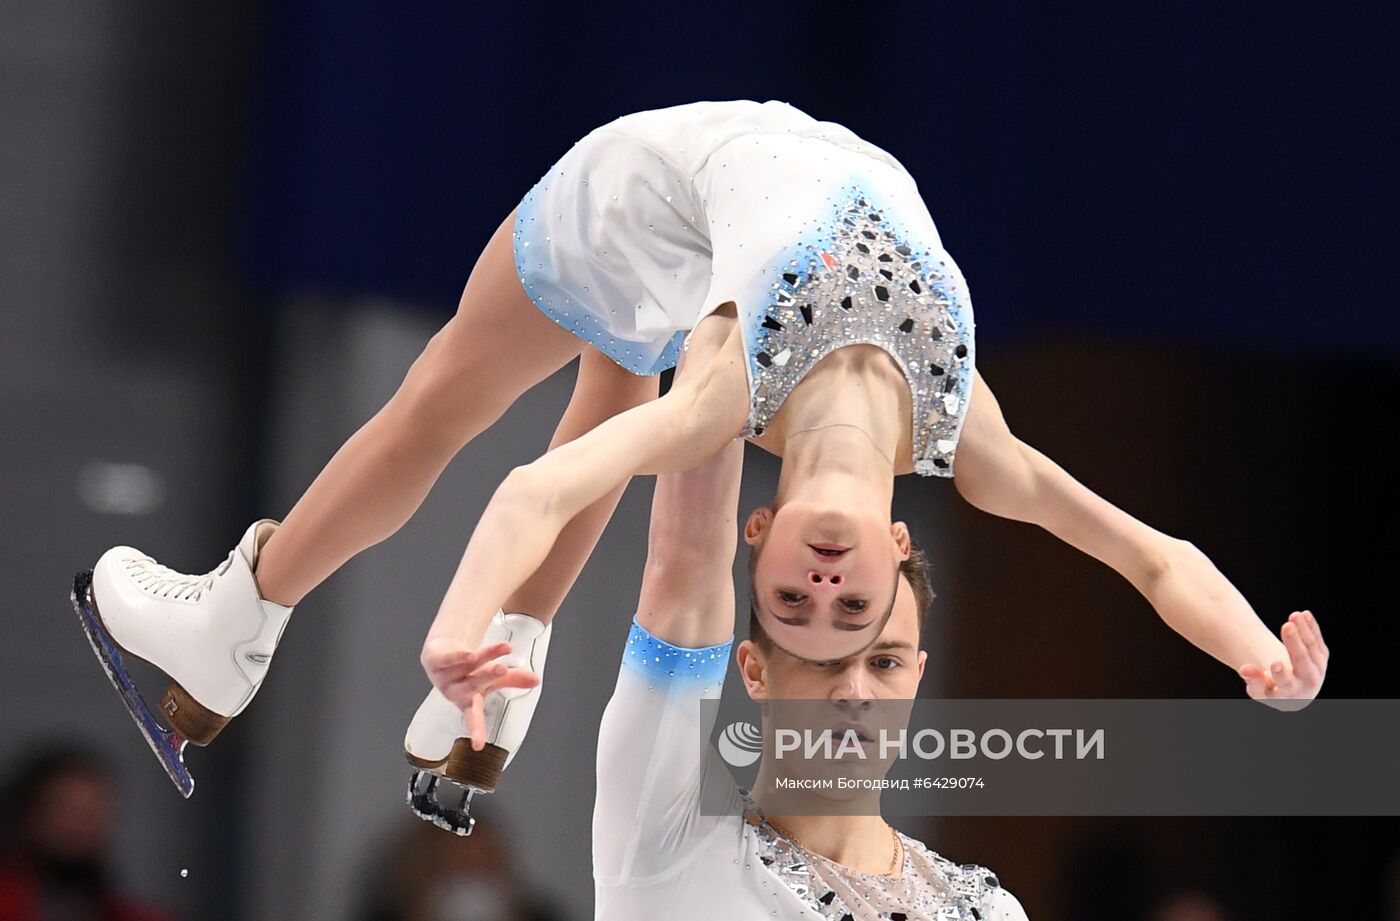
(213,635)
(448,772)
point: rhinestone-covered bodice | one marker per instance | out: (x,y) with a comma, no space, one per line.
(929,885)
(863,281)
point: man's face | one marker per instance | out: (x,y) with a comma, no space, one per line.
(824,577)
(856,698)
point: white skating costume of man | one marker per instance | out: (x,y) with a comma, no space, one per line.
(656,855)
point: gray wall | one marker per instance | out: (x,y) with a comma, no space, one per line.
(118,332)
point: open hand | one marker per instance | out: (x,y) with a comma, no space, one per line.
(1291,685)
(465,676)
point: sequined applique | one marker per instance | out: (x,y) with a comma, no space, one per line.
(866,283)
(961,893)
(971,884)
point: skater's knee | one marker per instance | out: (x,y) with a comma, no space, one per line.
(449,393)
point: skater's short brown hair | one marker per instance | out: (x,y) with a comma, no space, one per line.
(914,569)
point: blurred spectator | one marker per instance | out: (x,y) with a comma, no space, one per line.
(1189,905)
(59,812)
(428,874)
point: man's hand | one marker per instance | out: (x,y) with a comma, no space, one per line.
(1291,685)
(465,676)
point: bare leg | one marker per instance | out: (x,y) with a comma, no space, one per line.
(497,346)
(602,391)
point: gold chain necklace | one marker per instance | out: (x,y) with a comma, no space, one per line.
(894,862)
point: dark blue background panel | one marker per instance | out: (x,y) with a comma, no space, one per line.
(1184,171)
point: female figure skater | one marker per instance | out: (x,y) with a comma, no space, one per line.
(834,331)
(824,321)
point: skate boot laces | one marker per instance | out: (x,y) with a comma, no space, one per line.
(164,582)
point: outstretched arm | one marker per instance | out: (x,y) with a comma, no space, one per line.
(704,410)
(1000,474)
(654,779)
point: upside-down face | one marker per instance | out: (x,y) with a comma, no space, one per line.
(824,578)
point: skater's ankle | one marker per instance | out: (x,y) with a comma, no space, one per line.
(542,613)
(286,600)
(265,577)
(269,590)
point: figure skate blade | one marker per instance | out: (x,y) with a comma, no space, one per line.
(167,745)
(423,799)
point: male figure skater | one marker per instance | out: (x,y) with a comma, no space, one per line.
(655,852)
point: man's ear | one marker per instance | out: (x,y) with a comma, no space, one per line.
(759,520)
(900,532)
(923,660)
(753,669)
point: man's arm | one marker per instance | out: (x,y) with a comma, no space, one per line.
(687,596)
(655,774)
(998,473)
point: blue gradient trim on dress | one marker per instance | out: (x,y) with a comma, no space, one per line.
(540,282)
(663,663)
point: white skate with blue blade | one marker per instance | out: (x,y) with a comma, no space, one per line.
(213,635)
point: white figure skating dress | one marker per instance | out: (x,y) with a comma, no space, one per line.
(652,221)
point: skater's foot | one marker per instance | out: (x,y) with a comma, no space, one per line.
(449,769)
(212,634)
